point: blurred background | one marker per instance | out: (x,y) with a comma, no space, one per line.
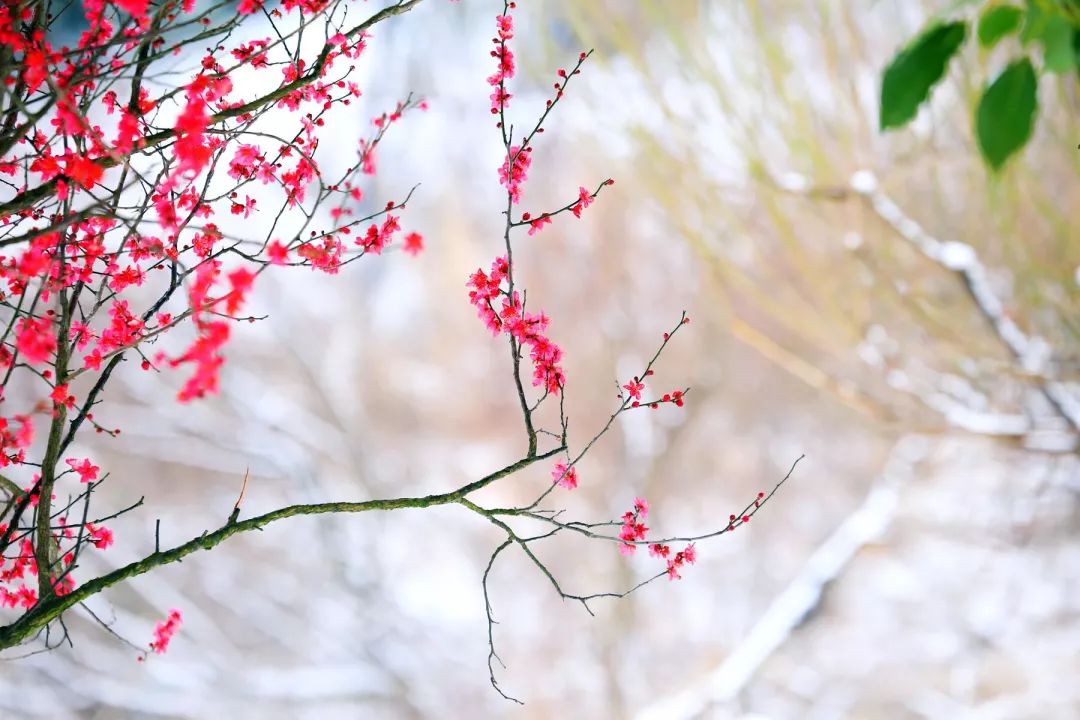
(922,562)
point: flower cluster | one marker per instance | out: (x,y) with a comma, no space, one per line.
(564,476)
(377,238)
(500,98)
(633,526)
(164,631)
(585,199)
(124,330)
(502,311)
(35,339)
(14,569)
(538,224)
(514,170)
(413,244)
(87,471)
(100,536)
(204,353)
(634,531)
(193,151)
(15,440)
(686,556)
(636,386)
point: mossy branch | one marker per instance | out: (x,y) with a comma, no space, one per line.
(51,609)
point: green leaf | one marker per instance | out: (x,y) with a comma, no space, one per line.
(1035,22)
(915,70)
(1006,113)
(1057,45)
(997,22)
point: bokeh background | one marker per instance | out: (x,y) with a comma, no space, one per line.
(924,559)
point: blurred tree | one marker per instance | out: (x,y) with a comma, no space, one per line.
(888,270)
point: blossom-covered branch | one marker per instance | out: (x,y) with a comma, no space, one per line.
(134,213)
